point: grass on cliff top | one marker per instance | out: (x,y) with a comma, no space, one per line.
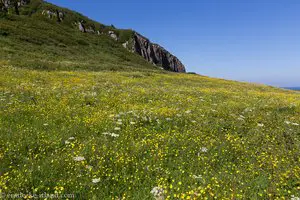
(117,135)
(37,42)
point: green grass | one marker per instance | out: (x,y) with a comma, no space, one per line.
(193,136)
(33,41)
(66,94)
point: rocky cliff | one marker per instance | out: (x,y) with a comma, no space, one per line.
(134,42)
(156,54)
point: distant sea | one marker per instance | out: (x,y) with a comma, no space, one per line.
(293,88)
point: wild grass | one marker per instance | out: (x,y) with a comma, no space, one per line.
(117,135)
(37,42)
(79,114)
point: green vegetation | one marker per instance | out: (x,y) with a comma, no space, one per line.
(202,138)
(34,41)
(79,114)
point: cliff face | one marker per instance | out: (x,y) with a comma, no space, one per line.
(156,54)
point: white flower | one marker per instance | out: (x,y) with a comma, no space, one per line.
(117,128)
(45,124)
(79,158)
(295,198)
(248,110)
(96,180)
(188,111)
(204,149)
(67,142)
(260,125)
(132,123)
(119,123)
(168,119)
(194,121)
(288,122)
(119,120)
(241,118)
(93,94)
(158,193)
(197,177)
(111,134)
(114,135)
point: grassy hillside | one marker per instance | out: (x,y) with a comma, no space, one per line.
(32,40)
(81,115)
(117,135)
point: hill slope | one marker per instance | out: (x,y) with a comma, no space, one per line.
(59,38)
(132,131)
(89,134)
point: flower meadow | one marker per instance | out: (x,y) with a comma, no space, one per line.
(146,135)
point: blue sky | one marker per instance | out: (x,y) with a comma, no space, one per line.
(246,40)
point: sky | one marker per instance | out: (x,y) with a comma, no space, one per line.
(246,40)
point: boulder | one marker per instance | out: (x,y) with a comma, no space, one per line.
(81,27)
(60,15)
(90,29)
(56,14)
(113,35)
(6,4)
(125,44)
(48,13)
(23,2)
(10,4)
